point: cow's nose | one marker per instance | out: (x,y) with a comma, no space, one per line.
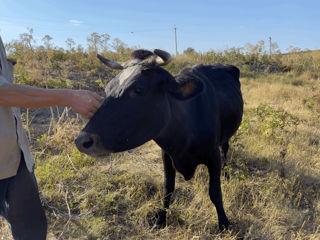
(84,142)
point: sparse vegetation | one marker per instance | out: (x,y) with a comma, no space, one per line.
(273,163)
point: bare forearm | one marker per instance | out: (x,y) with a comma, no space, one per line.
(30,97)
(83,102)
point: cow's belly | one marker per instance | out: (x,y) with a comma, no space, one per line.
(187,172)
(187,165)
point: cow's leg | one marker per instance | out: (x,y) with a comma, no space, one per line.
(225,148)
(169,182)
(22,207)
(214,166)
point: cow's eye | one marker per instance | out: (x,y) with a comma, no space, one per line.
(139,90)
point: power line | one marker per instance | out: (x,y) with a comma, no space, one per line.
(150,30)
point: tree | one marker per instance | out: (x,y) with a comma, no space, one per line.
(98,42)
(70,44)
(293,49)
(119,46)
(189,50)
(93,42)
(27,39)
(104,42)
(275,48)
(258,49)
(46,40)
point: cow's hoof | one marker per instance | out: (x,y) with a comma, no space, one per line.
(160,220)
(224,225)
(158,225)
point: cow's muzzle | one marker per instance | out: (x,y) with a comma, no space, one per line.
(90,144)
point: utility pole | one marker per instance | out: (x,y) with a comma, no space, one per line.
(270,44)
(175,38)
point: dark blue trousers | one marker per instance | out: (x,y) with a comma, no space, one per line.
(20,205)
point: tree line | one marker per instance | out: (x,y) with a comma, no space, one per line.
(50,66)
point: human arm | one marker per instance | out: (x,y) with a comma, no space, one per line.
(81,101)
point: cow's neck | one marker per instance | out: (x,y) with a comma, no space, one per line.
(174,138)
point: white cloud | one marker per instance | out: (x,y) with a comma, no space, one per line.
(75,22)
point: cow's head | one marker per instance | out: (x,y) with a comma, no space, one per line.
(137,104)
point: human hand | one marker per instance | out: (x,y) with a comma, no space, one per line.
(84,102)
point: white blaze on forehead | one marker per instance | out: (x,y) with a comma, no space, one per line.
(130,69)
(126,73)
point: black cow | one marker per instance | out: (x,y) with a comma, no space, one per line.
(189,116)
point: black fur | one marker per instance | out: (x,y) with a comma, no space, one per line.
(141,54)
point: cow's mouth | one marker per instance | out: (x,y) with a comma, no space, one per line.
(101,154)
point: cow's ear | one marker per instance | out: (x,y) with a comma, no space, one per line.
(184,88)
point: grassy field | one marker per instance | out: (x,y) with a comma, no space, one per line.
(274,166)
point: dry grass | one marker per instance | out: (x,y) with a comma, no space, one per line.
(272,193)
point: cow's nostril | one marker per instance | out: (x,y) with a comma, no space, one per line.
(85,142)
(88,143)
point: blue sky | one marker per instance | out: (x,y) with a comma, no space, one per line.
(201,24)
